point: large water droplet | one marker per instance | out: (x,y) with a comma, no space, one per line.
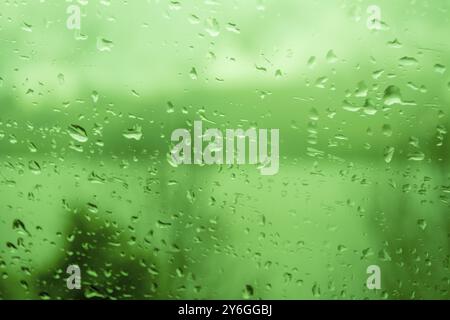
(77,133)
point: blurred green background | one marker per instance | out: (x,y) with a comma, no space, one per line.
(364,173)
